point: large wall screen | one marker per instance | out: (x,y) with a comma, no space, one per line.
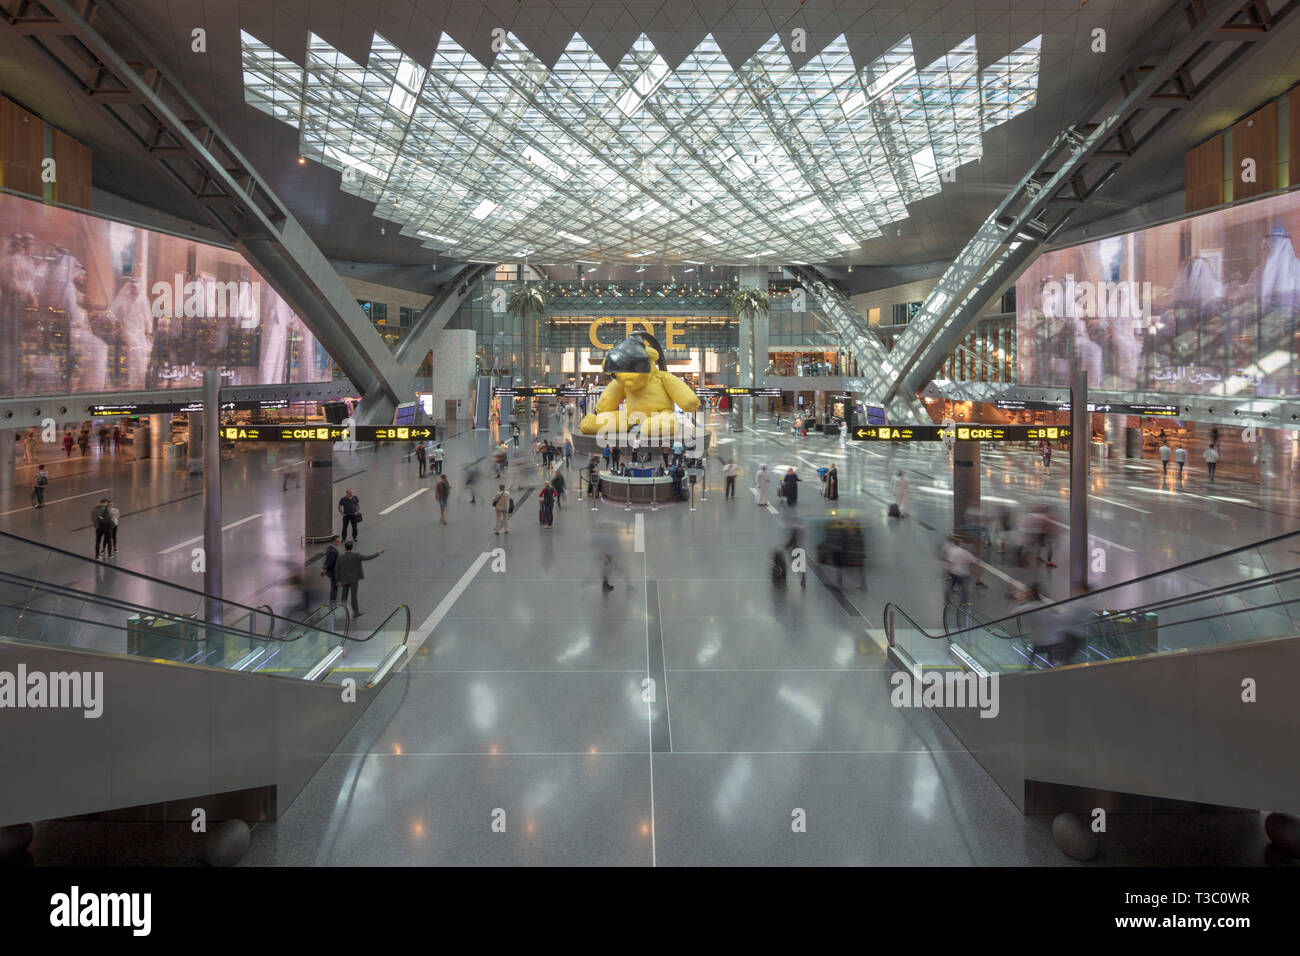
(1208,304)
(90,305)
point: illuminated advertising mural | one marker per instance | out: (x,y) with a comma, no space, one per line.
(1204,305)
(90,305)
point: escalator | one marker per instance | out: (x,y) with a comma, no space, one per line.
(246,701)
(1176,685)
(483,403)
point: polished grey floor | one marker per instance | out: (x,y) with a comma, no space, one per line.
(520,732)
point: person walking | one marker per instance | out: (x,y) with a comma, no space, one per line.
(1165,454)
(29,448)
(350,509)
(43,478)
(115,517)
(844,433)
(438,455)
(330,568)
(1045,450)
(442,491)
(729,471)
(1211,460)
(900,493)
(117,438)
(559,485)
(514,427)
(501,508)
(83,442)
(350,573)
(762,482)
(101,519)
(1180,456)
(68,442)
(679,450)
(422,458)
(790,488)
(546,513)
(957,563)
(103,439)
(832,484)
(568,452)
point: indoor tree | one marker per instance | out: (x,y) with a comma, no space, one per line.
(749,304)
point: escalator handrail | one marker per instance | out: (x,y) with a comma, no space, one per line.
(406,634)
(104,600)
(1123,584)
(1205,595)
(42,546)
(298,628)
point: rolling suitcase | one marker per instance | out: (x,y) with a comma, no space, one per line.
(893,510)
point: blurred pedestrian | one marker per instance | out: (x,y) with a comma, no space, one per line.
(900,491)
(957,564)
(832,484)
(442,492)
(422,457)
(438,455)
(559,485)
(762,481)
(1180,456)
(790,488)
(1211,460)
(729,471)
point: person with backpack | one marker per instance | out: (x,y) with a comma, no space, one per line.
(501,507)
(101,519)
(422,457)
(1165,454)
(442,491)
(546,512)
(43,478)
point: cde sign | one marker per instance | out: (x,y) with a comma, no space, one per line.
(672,329)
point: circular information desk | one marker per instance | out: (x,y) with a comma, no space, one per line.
(637,490)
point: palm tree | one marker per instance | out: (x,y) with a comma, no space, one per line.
(749,304)
(527,302)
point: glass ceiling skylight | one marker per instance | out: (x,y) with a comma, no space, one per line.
(699,163)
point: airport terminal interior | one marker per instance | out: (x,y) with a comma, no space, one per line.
(785,433)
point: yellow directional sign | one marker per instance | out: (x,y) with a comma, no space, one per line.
(962,432)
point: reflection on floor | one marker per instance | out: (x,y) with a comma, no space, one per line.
(529,708)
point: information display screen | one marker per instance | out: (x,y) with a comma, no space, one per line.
(963,432)
(167,408)
(1209,304)
(91,305)
(325,433)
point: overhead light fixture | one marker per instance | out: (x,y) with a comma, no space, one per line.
(302,160)
(642,269)
(688,271)
(483,209)
(572,238)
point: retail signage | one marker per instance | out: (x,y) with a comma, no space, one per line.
(962,432)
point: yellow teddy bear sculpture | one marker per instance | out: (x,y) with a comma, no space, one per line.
(644,388)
